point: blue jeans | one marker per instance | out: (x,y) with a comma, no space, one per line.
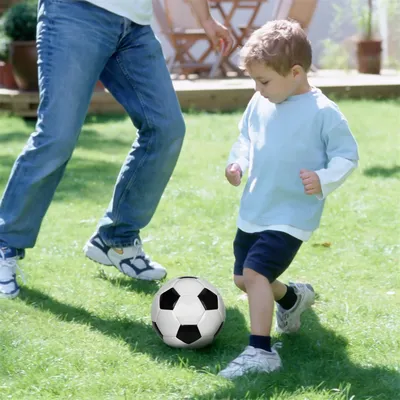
(78,43)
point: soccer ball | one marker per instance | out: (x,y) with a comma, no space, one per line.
(188,312)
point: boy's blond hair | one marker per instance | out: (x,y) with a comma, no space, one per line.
(278,44)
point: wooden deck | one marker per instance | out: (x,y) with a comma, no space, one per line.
(225,94)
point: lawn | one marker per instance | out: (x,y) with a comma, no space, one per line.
(79,331)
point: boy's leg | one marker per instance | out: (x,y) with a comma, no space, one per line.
(138,78)
(298,298)
(261,305)
(279,289)
(259,257)
(293,299)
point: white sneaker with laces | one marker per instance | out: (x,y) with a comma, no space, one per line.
(131,261)
(288,321)
(8,272)
(252,360)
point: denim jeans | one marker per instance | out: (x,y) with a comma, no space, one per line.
(78,43)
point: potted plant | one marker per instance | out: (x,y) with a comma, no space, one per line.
(5,4)
(20,27)
(6,74)
(369,48)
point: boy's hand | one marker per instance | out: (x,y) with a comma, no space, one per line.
(233,173)
(311,182)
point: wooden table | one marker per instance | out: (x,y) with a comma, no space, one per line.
(227,16)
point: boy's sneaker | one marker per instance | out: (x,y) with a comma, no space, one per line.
(252,360)
(288,321)
(131,261)
(8,271)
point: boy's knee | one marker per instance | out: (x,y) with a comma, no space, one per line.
(250,276)
(239,281)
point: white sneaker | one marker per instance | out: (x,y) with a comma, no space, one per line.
(131,261)
(8,272)
(252,360)
(288,321)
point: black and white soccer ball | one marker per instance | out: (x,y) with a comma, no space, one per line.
(188,312)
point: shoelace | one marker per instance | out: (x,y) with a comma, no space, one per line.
(277,345)
(138,244)
(11,263)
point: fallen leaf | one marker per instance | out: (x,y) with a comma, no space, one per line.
(324,244)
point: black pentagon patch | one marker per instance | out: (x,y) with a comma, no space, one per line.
(157,330)
(168,299)
(188,333)
(208,299)
(186,277)
(219,329)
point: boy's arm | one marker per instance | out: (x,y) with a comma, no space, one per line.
(342,154)
(241,148)
(334,175)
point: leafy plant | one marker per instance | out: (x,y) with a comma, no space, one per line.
(4,48)
(359,13)
(364,17)
(20,22)
(334,55)
(4,43)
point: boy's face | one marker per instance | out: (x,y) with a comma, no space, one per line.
(274,87)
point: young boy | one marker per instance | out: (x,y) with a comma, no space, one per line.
(298,148)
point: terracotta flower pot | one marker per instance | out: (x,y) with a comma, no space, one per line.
(6,76)
(369,56)
(23,57)
(5,4)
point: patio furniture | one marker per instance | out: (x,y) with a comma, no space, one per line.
(235,6)
(301,11)
(183,31)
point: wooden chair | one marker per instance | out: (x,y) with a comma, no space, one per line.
(301,11)
(183,31)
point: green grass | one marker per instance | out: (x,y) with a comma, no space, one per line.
(80,332)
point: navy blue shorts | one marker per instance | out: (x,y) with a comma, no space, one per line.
(268,252)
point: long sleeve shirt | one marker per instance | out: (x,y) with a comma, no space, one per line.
(276,141)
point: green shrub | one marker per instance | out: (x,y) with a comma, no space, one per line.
(4,48)
(20,22)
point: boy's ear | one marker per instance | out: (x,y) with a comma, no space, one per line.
(296,70)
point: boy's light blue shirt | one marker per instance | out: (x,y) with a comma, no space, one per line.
(276,141)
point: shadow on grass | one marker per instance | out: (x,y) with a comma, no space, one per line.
(316,359)
(92,140)
(104,118)
(90,119)
(15,136)
(384,172)
(140,336)
(88,139)
(83,178)
(131,285)
(90,178)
